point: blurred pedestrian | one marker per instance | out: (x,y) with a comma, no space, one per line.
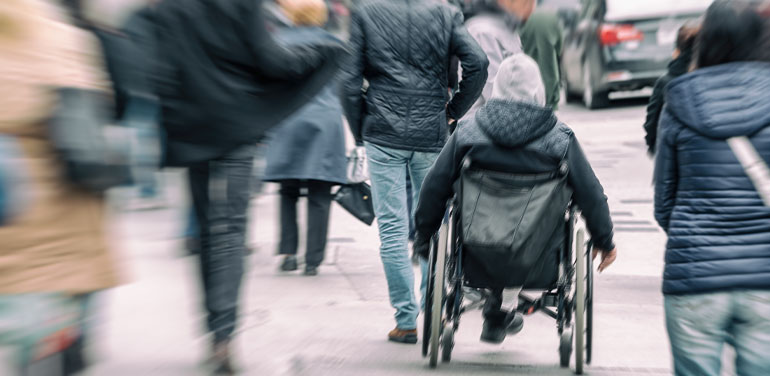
(542,38)
(402,48)
(126,44)
(685,40)
(716,282)
(224,83)
(55,253)
(307,152)
(495,26)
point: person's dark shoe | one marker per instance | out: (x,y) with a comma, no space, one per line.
(492,333)
(403,336)
(289,264)
(514,322)
(311,271)
(221,360)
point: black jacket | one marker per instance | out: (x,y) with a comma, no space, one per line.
(516,138)
(676,68)
(403,49)
(223,80)
(718,228)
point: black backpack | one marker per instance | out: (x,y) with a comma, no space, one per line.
(512,225)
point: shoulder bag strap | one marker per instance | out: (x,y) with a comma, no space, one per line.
(753,164)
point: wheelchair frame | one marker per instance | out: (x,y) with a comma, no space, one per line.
(443,307)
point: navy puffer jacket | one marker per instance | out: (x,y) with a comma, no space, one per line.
(718,229)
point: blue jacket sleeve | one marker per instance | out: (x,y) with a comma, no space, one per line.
(666,171)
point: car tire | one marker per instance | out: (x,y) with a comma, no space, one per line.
(592,98)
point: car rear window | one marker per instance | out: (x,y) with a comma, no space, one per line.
(636,10)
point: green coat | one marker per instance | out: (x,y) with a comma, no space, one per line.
(542,39)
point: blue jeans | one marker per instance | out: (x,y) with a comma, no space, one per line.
(700,324)
(388,168)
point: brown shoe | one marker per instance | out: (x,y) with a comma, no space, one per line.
(403,336)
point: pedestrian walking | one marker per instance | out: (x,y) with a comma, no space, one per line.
(54,252)
(495,26)
(542,38)
(682,59)
(125,32)
(403,49)
(716,282)
(307,152)
(514,132)
(225,83)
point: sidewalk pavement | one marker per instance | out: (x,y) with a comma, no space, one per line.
(337,323)
(332,324)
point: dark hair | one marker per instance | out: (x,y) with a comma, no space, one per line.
(731,31)
(685,37)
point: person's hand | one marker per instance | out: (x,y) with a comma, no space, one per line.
(421,246)
(608,257)
(452,126)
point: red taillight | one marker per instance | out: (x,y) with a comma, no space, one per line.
(610,35)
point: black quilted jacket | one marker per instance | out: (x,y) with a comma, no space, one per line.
(403,49)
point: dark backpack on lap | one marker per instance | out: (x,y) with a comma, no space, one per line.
(513,226)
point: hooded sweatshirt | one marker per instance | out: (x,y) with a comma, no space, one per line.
(514,134)
(497,34)
(718,228)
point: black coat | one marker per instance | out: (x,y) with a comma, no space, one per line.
(403,49)
(516,138)
(310,144)
(224,81)
(676,68)
(718,228)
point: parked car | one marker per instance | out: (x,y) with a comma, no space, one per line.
(619,45)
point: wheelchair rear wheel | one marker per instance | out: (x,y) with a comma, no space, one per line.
(428,305)
(582,286)
(447,343)
(589,303)
(437,303)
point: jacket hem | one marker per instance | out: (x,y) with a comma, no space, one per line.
(675,292)
(422,149)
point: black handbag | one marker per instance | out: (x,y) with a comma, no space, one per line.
(357,200)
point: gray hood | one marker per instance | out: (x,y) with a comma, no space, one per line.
(723,101)
(512,124)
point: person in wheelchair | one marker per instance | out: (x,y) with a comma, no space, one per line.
(515,133)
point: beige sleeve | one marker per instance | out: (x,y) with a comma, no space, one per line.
(77,60)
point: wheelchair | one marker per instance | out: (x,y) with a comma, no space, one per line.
(566,296)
